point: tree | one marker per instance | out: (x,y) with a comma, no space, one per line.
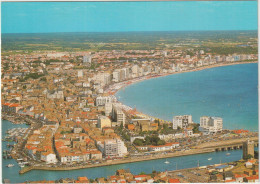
(160,142)
(178,128)
(142,173)
(196,128)
(165,126)
(121,126)
(248,157)
(138,142)
(91,180)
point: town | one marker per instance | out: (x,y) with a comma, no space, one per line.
(76,118)
(244,170)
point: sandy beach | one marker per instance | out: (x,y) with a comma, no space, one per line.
(113,89)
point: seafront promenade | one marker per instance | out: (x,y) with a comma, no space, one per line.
(211,147)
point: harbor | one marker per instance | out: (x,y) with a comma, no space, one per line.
(50,173)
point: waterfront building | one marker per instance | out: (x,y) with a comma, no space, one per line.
(103,121)
(116,76)
(114,148)
(48,157)
(210,124)
(118,115)
(248,148)
(181,121)
(135,70)
(102,78)
(126,73)
(166,147)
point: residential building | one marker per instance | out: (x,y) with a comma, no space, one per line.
(114,148)
(118,115)
(103,121)
(211,124)
(181,121)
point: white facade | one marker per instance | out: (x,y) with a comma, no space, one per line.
(103,100)
(166,147)
(116,76)
(114,148)
(211,124)
(181,121)
(49,158)
(118,115)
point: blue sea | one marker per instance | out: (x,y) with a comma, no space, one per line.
(230,92)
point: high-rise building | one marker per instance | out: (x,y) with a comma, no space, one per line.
(211,124)
(248,149)
(181,121)
(118,115)
(116,76)
(114,148)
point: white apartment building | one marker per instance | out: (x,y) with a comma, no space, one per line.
(166,147)
(211,124)
(135,70)
(102,78)
(116,76)
(118,115)
(126,73)
(103,100)
(114,148)
(181,121)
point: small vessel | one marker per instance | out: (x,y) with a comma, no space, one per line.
(166,162)
(209,158)
(10,165)
(228,154)
(21,165)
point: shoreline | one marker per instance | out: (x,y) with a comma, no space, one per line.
(124,84)
(117,162)
(123,161)
(195,151)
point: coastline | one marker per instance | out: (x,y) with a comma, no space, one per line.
(116,162)
(141,159)
(115,89)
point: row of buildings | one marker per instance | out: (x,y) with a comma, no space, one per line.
(207,124)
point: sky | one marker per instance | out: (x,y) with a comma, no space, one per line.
(45,17)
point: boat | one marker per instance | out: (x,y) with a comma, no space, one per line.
(21,165)
(209,158)
(10,165)
(228,154)
(166,162)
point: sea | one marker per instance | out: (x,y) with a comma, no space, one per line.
(229,92)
